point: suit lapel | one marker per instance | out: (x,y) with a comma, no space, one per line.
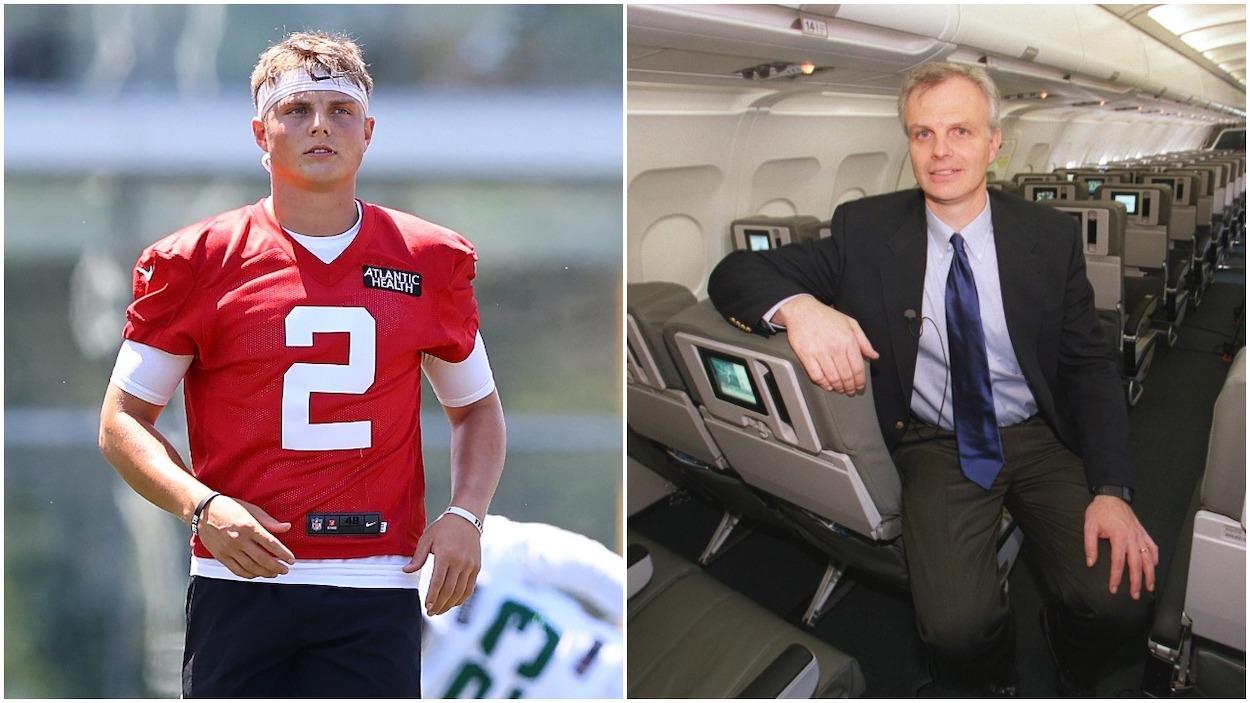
(1021,264)
(902,280)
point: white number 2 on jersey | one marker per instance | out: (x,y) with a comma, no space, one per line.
(303,379)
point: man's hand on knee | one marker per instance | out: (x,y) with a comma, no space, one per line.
(1112,519)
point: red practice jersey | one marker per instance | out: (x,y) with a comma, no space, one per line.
(304,393)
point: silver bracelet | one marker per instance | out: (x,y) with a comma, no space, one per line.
(453,510)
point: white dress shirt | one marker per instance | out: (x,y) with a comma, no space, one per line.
(931,395)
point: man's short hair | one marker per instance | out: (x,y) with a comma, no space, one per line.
(316,52)
(929,75)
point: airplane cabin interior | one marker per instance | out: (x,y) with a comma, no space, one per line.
(764,513)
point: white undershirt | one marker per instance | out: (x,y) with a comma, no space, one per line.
(152,375)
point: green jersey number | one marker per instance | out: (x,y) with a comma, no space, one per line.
(474,680)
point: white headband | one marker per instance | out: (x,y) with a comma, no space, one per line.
(299,81)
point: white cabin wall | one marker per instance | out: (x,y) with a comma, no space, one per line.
(1030,144)
(1077,138)
(1044,140)
(1081,144)
(692,171)
(829,156)
(681,172)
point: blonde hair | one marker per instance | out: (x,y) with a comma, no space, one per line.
(929,75)
(316,52)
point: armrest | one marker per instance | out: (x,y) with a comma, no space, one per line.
(793,674)
(1179,262)
(1138,320)
(1167,629)
(640,568)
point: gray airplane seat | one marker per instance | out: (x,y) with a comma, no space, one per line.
(763,233)
(1126,298)
(1023,179)
(1151,245)
(1198,640)
(1237,230)
(659,407)
(690,636)
(1006,186)
(1208,201)
(1183,223)
(661,410)
(1183,235)
(1233,178)
(820,454)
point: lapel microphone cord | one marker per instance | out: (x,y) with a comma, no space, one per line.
(910,315)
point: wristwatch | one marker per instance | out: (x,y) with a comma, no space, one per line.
(1122,492)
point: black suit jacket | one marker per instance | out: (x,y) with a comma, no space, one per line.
(872,268)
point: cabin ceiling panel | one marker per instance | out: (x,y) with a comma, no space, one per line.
(1210,35)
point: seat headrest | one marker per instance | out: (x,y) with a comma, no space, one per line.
(648,307)
(1114,213)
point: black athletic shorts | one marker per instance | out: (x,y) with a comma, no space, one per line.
(266,640)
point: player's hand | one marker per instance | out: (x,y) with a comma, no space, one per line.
(1112,519)
(456,546)
(831,345)
(241,536)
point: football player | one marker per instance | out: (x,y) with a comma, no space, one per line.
(299,326)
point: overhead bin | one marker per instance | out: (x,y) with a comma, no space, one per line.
(993,29)
(1088,52)
(1098,50)
(738,35)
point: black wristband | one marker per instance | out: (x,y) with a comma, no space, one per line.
(1124,493)
(199,510)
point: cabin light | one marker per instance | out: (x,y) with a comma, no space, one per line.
(779,69)
(1029,96)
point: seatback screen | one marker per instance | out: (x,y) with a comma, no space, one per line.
(1176,184)
(731,380)
(1128,200)
(758,240)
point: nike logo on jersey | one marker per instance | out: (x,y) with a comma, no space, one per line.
(408,282)
(147,272)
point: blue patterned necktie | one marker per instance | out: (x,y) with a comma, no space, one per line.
(976,425)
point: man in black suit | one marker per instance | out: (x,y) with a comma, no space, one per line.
(878,289)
